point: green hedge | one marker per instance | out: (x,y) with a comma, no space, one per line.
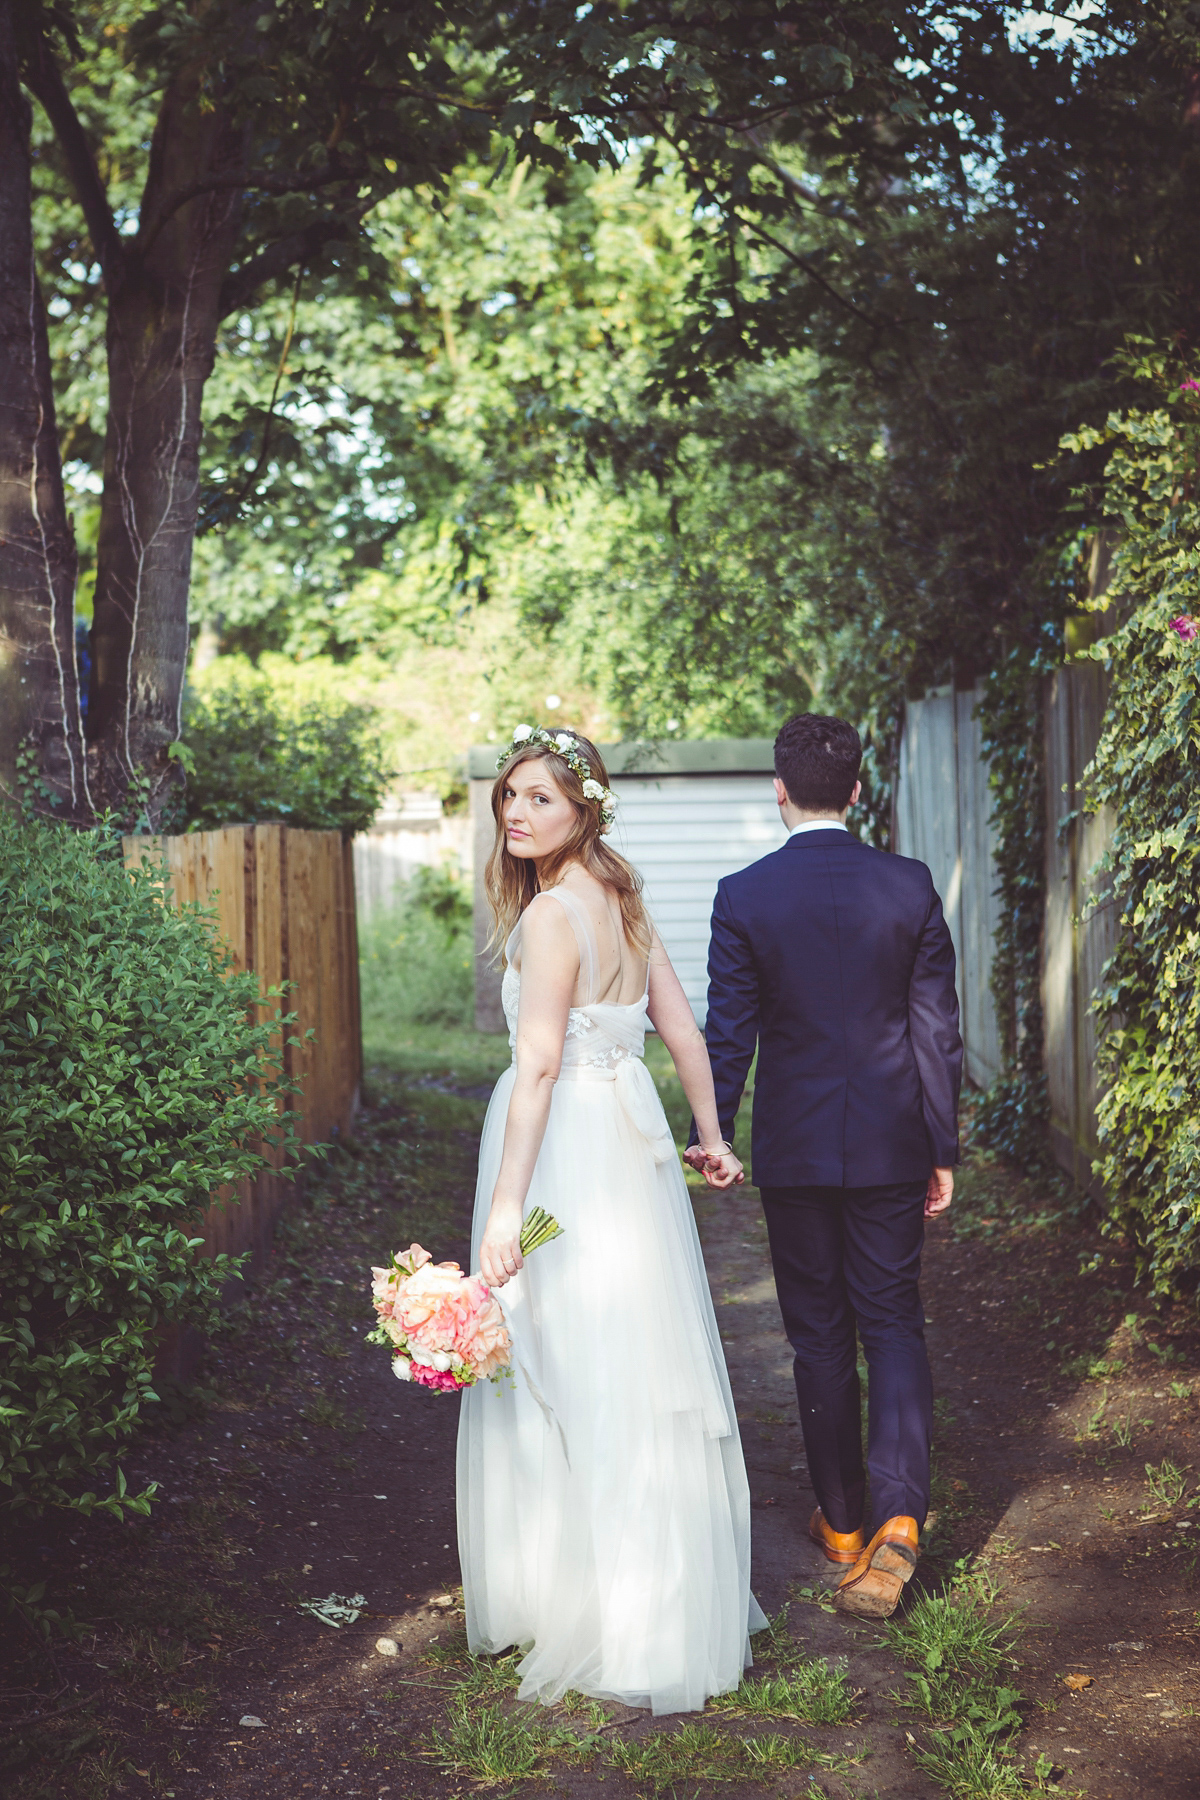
(252,755)
(134,1082)
(1147,769)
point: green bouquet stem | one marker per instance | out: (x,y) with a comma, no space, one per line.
(538,1229)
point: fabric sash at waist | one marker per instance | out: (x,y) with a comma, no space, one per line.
(638,1097)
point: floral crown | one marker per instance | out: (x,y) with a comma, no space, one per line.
(563,743)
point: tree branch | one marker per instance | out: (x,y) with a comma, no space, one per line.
(282,256)
(493,111)
(43,77)
(260,179)
(802,262)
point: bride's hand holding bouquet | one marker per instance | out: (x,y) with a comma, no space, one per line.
(446,1330)
(500,1250)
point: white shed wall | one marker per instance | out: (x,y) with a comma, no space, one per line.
(684,832)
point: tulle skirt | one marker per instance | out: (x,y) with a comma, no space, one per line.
(603,1508)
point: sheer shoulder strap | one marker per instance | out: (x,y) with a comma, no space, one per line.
(584,937)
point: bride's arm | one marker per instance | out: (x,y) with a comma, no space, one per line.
(549,970)
(672,1017)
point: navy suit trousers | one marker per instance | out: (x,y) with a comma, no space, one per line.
(847,1258)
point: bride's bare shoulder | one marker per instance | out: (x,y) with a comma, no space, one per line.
(545,922)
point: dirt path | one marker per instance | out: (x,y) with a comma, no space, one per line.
(1060,1384)
(314,1474)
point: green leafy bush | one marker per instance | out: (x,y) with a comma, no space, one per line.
(1147,770)
(251,755)
(418,958)
(135,1081)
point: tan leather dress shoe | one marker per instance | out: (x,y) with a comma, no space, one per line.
(839,1546)
(875,1583)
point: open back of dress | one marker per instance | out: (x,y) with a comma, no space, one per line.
(604,1513)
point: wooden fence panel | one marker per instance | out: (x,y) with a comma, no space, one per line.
(284,905)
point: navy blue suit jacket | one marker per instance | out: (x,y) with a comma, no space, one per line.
(835,960)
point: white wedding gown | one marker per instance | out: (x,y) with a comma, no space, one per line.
(603,1508)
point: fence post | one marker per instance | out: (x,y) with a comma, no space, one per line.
(1081,916)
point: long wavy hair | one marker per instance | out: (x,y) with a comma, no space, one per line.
(511,882)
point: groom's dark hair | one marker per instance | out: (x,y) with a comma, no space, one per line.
(817,759)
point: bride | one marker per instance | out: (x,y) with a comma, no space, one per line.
(603,1508)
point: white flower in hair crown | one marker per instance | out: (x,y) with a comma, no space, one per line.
(564,744)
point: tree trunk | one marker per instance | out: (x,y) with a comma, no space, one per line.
(163,313)
(39,689)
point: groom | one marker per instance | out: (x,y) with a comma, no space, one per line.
(835,961)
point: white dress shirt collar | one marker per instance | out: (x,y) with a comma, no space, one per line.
(818,825)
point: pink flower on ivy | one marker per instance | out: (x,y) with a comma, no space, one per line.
(1189,387)
(1187,627)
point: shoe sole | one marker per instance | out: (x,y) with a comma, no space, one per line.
(876,1593)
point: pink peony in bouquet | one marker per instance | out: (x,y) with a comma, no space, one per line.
(446,1329)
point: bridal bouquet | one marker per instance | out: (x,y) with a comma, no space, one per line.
(445,1329)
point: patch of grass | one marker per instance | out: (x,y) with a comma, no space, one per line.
(1181,1390)
(1122,1430)
(963,1654)
(490,1675)
(973,1769)
(452,1651)
(476,1677)
(579,1705)
(1092,1368)
(951,1631)
(1167,1483)
(100,1775)
(486,1745)
(196,1703)
(493,1747)
(1095,1421)
(658,1763)
(814,1693)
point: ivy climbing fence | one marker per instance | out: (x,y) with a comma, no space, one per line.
(284,906)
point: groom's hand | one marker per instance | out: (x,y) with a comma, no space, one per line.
(939,1193)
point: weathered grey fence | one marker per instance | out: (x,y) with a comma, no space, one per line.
(1081,919)
(943,805)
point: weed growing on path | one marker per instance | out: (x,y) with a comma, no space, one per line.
(657,1764)
(1167,1483)
(487,1745)
(810,1689)
(814,1692)
(962,1654)
(1122,1430)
